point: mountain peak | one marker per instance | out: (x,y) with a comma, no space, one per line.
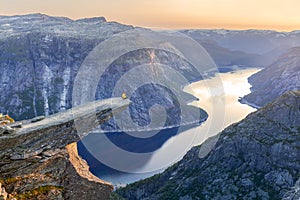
(45,17)
(21,25)
(92,20)
(33,17)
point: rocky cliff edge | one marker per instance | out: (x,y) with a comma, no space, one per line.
(40,159)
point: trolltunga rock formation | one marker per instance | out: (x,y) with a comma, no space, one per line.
(40,159)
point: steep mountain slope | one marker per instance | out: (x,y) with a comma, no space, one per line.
(39,58)
(41,55)
(226,57)
(276,79)
(257,158)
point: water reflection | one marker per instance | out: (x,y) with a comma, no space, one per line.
(234,84)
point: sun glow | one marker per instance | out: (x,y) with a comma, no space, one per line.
(229,14)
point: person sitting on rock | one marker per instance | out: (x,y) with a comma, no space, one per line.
(7,117)
(124,95)
(4,120)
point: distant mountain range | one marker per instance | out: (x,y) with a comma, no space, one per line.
(257,158)
(256,48)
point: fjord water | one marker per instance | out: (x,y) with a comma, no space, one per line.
(233,85)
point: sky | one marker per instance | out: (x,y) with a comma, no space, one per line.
(282,15)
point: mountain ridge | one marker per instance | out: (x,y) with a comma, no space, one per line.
(257,157)
(276,79)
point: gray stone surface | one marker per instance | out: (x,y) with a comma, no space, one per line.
(40,160)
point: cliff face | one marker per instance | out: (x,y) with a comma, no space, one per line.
(40,160)
(41,55)
(257,158)
(276,79)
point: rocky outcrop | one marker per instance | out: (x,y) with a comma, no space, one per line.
(40,159)
(276,79)
(257,158)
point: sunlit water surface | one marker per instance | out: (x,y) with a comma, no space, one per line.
(222,112)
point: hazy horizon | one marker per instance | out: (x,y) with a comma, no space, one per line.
(169,14)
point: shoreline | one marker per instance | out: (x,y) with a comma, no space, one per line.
(242,100)
(126,178)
